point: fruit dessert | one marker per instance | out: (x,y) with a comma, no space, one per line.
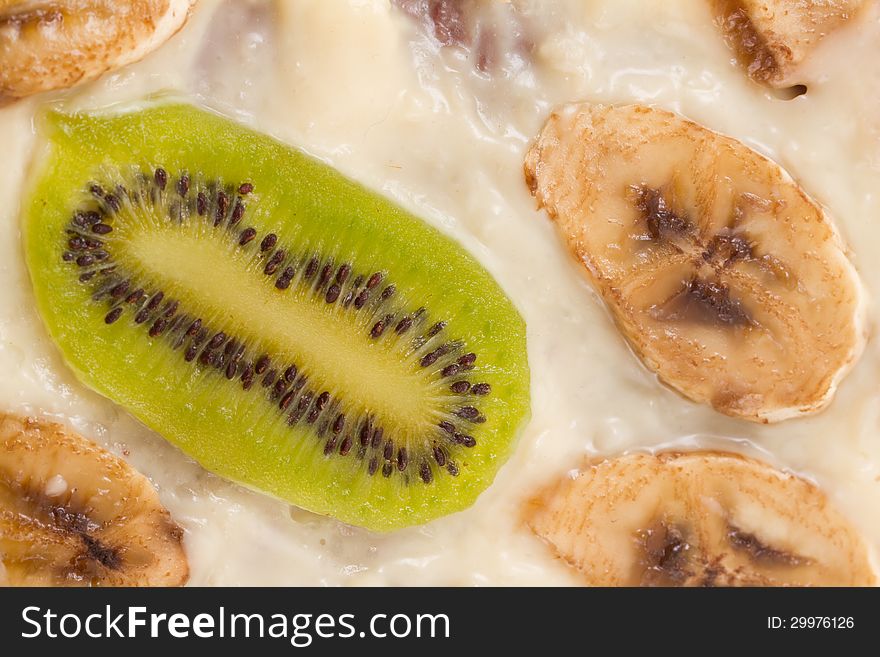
(327,389)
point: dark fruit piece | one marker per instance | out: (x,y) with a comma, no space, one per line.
(217,315)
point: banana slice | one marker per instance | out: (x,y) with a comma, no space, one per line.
(73,514)
(724,276)
(698,519)
(53,44)
(773,38)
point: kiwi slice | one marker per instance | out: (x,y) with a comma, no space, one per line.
(284,326)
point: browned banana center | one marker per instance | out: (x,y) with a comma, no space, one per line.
(85,551)
(80,525)
(760,552)
(668,558)
(665,556)
(703,297)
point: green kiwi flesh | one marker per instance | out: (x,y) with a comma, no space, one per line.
(284,326)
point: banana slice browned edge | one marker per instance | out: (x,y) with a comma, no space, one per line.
(73,514)
(773,38)
(54,44)
(697,519)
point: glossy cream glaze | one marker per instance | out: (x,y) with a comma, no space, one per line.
(362,86)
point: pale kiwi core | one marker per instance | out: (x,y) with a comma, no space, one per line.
(193,267)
